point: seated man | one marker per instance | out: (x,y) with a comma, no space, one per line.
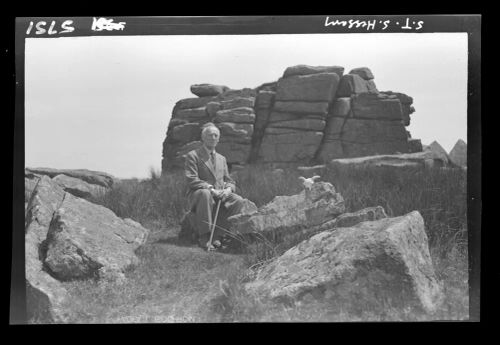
(209,181)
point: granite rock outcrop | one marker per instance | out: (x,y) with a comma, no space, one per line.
(312,114)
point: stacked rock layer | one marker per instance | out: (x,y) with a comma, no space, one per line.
(312,114)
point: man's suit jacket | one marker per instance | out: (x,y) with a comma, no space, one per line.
(200,172)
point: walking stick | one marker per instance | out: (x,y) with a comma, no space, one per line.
(209,244)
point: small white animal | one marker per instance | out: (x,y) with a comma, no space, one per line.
(308,182)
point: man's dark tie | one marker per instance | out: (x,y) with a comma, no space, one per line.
(212,159)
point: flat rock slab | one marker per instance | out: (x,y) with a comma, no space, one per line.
(237,115)
(238,102)
(302,107)
(316,88)
(306,70)
(86,240)
(290,146)
(195,102)
(370,265)
(79,187)
(376,106)
(278,116)
(309,208)
(403,98)
(93,177)
(304,124)
(192,114)
(204,90)
(351,149)
(363,131)
(416,159)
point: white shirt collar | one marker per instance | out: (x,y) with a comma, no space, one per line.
(208,151)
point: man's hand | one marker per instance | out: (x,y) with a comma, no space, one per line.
(220,193)
(225,193)
(216,193)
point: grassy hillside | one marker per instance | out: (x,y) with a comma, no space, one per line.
(185,284)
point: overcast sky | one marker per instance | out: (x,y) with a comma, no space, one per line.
(104,103)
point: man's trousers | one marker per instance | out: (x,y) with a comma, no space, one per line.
(204,207)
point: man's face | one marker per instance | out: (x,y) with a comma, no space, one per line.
(210,137)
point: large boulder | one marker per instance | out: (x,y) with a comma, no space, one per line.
(86,240)
(306,70)
(89,176)
(46,298)
(205,90)
(308,208)
(64,236)
(369,266)
(458,154)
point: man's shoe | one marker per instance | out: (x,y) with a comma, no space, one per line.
(203,240)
